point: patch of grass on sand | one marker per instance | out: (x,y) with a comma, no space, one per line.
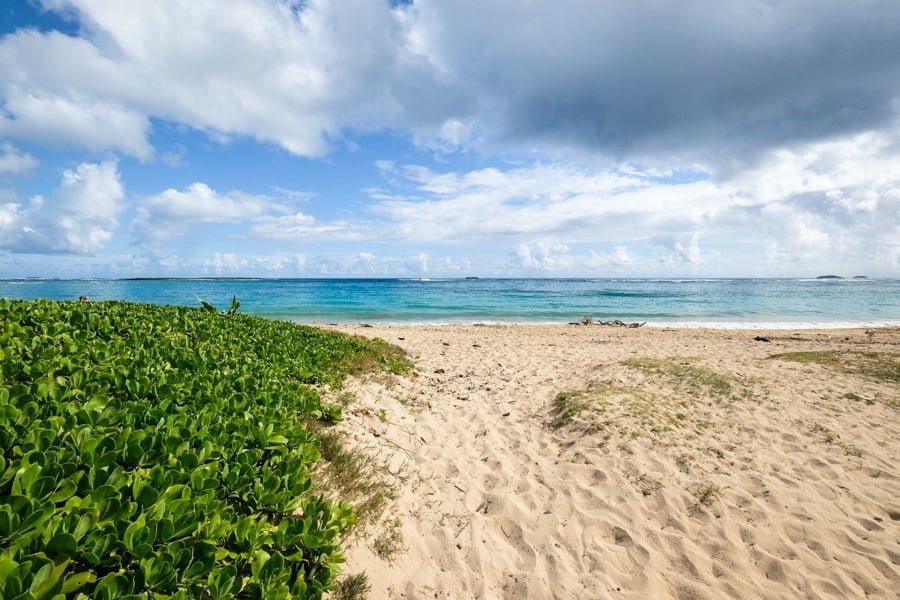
(827,436)
(705,494)
(352,587)
(612,409)
(682,374)
(567,406)
(646,483)
(390,541)
(379,356)
(877,366)
(353,477)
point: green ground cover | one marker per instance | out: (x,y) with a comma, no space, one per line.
(164,452)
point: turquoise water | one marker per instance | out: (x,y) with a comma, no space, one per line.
(679,302)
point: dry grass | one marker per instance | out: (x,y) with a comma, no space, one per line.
(614,410)
(876,366)
(683,375)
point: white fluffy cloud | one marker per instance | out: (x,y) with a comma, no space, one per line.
(289,73)
(802,210)
(13,161)
(175,213)
(79,217)
(600,76)
(821,206)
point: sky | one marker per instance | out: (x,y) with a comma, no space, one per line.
(425,138)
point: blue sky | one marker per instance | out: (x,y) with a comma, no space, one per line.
(424,138)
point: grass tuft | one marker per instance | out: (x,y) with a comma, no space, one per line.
(390,541)
(685,375)
(352,587)
(705,494)
(567,406)
(877,366)
(352,476)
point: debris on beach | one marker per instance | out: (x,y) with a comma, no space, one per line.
(616,323)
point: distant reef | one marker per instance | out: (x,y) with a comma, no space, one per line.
(829,277)
(860,277)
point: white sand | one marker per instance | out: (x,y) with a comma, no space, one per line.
(802,490)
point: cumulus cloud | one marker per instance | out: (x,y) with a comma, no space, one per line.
(79,217)
(13,161)
(570,204)
(175,213)
(172,212)
(804,208)
(294,74)
(718,84)
(544,257)
(797,211)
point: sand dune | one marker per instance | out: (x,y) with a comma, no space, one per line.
(682,464)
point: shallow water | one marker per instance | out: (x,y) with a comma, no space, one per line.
(794,303)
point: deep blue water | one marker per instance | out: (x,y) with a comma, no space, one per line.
(711,302)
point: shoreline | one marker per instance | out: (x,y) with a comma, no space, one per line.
(557,461)
(681,325)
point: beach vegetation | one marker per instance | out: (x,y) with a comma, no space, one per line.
(827,436)
(606,408)
(352,587)
(854,397)
(567,406)
(878,366)
(351,475)
(705,494)
(645,482)
(168,452)
(389,542)
(681,373)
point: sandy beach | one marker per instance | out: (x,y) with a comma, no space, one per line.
(545,461)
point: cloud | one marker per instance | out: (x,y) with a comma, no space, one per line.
(288,73)
(798,210)
(544,257)
(13,161)
(619,257)
(702,81)
(717,84)
(79,217)
(172,213)
(814,207)
(301,227)
(564,202)
(75,120)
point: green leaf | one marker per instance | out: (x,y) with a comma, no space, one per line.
(64,491)
(276,440)
(260,557)
(48,580)
(75,582)
(7,566)
(62,543)
(147,496)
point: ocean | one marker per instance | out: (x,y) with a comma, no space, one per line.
(722,303)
